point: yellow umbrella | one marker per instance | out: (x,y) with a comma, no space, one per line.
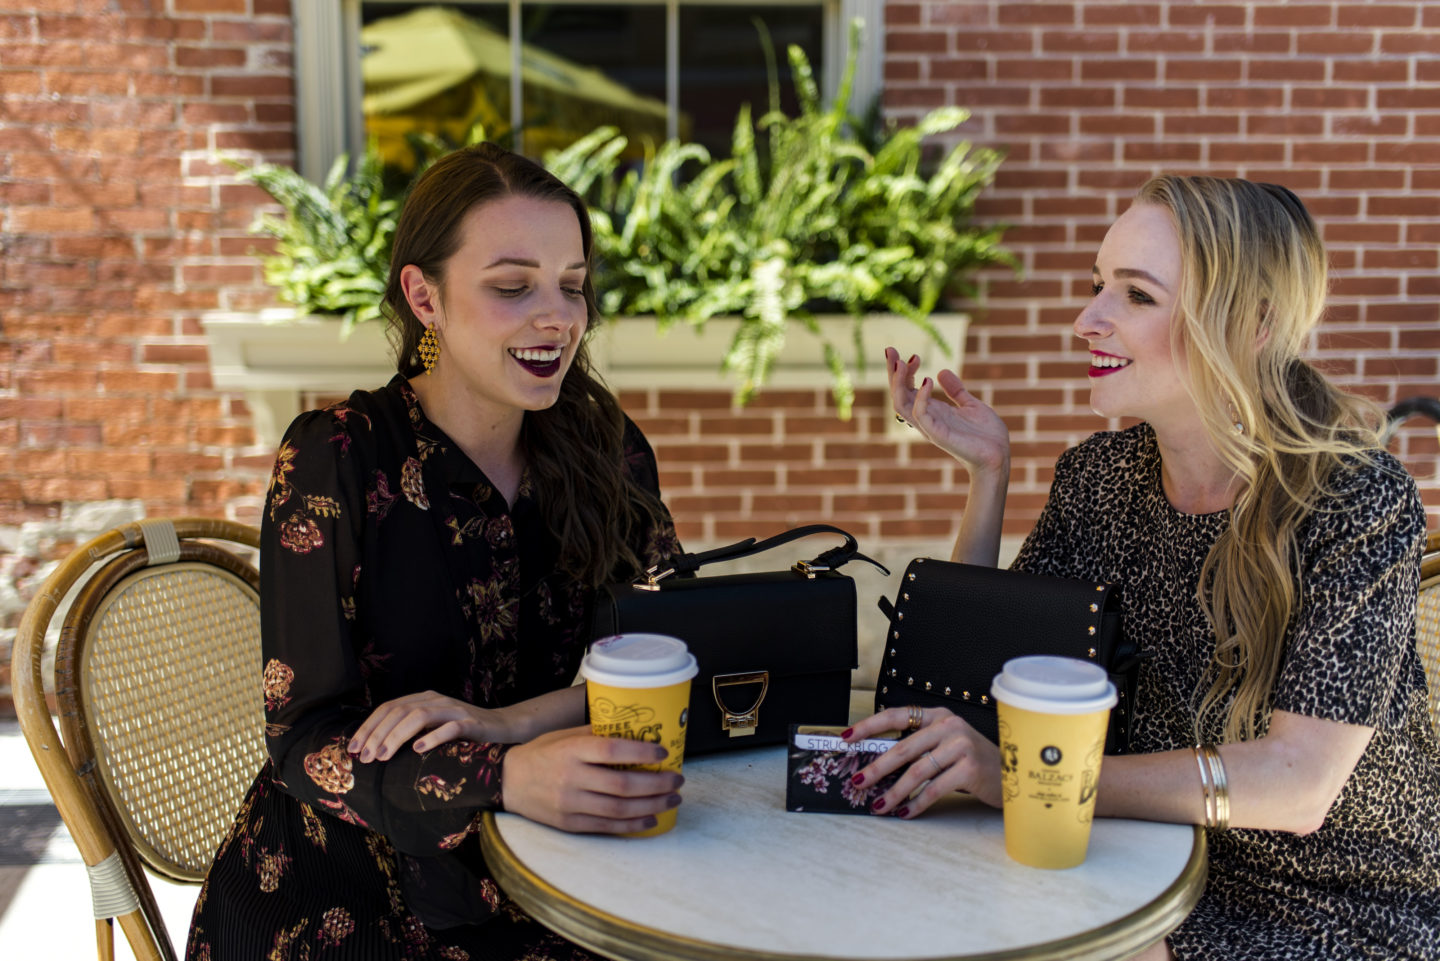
(436,66)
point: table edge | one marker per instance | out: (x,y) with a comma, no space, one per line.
(615,937)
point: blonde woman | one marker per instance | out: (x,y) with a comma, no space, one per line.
(1268,552)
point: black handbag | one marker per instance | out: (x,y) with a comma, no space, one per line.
(953,627)
(774,648)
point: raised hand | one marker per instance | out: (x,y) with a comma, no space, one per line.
(966,429)
(566,779)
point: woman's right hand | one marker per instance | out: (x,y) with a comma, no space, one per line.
(967,430)
(566,779)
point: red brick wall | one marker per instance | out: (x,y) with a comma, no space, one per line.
(119,230)
(1339,101)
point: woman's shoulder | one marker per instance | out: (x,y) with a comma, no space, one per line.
(1375,484)
(357,417)
(1110,452)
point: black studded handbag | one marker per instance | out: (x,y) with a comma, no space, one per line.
(774,648)
(953,627)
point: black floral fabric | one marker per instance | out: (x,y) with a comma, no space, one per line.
(390,565)
(1367,883)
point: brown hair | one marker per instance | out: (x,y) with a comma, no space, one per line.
(1253,287)
(574,449)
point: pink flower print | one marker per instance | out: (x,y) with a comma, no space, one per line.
(300,534)
(412,484)
(278,677)
(335,926)
(331,768)
(490,609)
(378,499)
(439,787)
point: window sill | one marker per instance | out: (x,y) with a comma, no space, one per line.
(274,357)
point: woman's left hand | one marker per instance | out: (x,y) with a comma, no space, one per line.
(945,751)
(441,719)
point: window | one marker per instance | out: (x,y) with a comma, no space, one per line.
(653,68)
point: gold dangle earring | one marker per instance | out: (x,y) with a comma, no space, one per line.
(428,349)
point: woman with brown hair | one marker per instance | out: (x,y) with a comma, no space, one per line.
(1267,551)
(429,553)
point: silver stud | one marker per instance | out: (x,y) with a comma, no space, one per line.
(947,689)
(1091,630)
(899,615)
(984,698)
(906,595)
(910,576)
(892,652)
(927,685)
(910,682)
(1094,608)
(892,672)
(885,690)
(965,694)
(895,635)
(1092,652)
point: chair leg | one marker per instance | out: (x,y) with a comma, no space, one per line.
(105,939)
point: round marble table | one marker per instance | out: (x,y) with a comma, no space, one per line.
(740,877)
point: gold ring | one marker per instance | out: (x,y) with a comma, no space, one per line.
(916,717)
(934,763)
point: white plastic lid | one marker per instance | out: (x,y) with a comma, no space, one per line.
(1054,685)
(638,660)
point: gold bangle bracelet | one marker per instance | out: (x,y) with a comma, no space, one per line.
(1221,786)
(1205,790)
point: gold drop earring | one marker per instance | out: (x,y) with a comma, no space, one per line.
(428,349)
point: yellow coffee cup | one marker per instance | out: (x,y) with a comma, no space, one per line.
(638,687)
(1053,713)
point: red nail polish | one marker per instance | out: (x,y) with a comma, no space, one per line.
(913,358)
(845,734)
(878,805)
(901,812)
(858,779)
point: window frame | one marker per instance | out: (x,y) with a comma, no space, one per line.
(327,66)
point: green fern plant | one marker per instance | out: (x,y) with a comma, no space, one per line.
(332,250)
(803,214)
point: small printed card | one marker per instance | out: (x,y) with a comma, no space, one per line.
(820,766)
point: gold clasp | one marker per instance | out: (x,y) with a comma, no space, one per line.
(740,723)
(650,581)
(810,569)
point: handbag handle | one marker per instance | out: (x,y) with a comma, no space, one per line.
(824,561)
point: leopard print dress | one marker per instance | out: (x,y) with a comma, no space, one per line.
(1367,883)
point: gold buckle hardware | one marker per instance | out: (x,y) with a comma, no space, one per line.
(740,723)
(810,569)
(651,579)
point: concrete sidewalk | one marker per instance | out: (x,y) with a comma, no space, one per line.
(44,894)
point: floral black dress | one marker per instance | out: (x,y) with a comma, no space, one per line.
(1367,883)
(390,565)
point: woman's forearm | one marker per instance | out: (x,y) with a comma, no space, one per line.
(548,712)
(980,526)
(1285,781)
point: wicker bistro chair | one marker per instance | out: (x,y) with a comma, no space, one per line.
(1427,622)
(161,710)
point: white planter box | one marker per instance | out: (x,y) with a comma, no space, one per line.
(274,357)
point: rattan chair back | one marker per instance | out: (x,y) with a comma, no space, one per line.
(161,712)
(1427,623)
(157,676)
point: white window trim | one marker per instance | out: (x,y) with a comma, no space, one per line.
(328,85)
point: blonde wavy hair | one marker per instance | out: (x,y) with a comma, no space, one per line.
(1253,287)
